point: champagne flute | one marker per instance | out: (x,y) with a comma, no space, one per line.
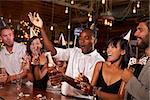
(81,66)
(81,69)
(51,68)
(19,87)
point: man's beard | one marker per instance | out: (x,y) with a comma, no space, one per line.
(145,42)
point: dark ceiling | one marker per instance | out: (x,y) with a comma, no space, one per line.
(17,10)
(121,10)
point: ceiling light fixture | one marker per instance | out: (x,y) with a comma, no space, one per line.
(106,15)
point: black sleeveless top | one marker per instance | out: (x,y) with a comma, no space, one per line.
(113,88)
(42,83)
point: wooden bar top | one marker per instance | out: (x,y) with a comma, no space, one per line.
(9,92)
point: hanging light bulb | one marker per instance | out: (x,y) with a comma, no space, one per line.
(1,18)
(72,2)
(89,14)
(9,20)
(110,24)
(138,4)
(69,26)
(52,28)
(134,10)
(66,10)
(90,18)
(103,1)
(105,22)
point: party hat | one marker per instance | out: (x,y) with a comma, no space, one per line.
(127,36)
(62,39)
(2,22)
(32,32)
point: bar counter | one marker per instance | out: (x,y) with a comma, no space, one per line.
(9,92)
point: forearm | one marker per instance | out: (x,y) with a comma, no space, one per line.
(138,89)
(108,96)
(16,76)
(47,43)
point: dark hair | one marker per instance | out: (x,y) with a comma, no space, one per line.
(146,20)
(124,45)
(87,30)
(5,27)
(29,43)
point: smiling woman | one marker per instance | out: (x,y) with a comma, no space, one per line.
(108,75)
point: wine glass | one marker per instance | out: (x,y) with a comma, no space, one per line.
(3,77)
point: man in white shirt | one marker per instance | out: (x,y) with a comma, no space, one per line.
(11,54)
(80,60)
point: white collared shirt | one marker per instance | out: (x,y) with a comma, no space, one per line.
(77,63)
(12,62)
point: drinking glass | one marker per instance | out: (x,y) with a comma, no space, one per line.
(19,87)
(3,77)
(81,66)
(52,71)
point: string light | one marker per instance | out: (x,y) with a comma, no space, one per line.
(21,36)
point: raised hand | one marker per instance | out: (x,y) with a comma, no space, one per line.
(25,62)
(35,19)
